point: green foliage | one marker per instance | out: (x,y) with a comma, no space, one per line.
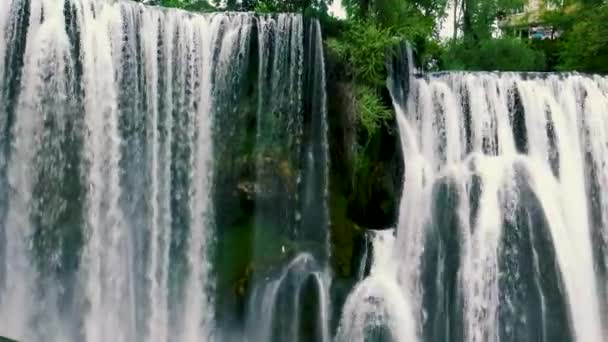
(373,113)
(476,19)
(265,7)
(363,49)
(551,48)
(560,19)
(583,44)
(390,21)
(586,45)
(356,9)
(363,46)
(411,18)
(394,13)
(272,6)
(505,54)
(190,5)
(343,234)
(260,6)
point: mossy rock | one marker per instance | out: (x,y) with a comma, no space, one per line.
(344,234)
(242,285)
(366,171)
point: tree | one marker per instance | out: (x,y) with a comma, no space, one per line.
(271,6)
(505,54)
(396,13)
(586,45)
(479,17)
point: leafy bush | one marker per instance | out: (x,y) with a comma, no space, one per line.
(504,54)
(189,5)
(292,6)
(551,48)
(586,46)
(373,113)
(362,47)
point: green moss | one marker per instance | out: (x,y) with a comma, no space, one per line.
(234,257)
(344,233)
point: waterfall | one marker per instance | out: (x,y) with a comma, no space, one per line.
(502,227)
(117,131)
(377,309)
(291,205)
(164,177)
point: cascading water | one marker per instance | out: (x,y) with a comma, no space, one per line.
(502,224)
(291,206)
(114,120)
(377,309)
(164,177)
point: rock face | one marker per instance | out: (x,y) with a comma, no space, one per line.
(364,182)
(270,149)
